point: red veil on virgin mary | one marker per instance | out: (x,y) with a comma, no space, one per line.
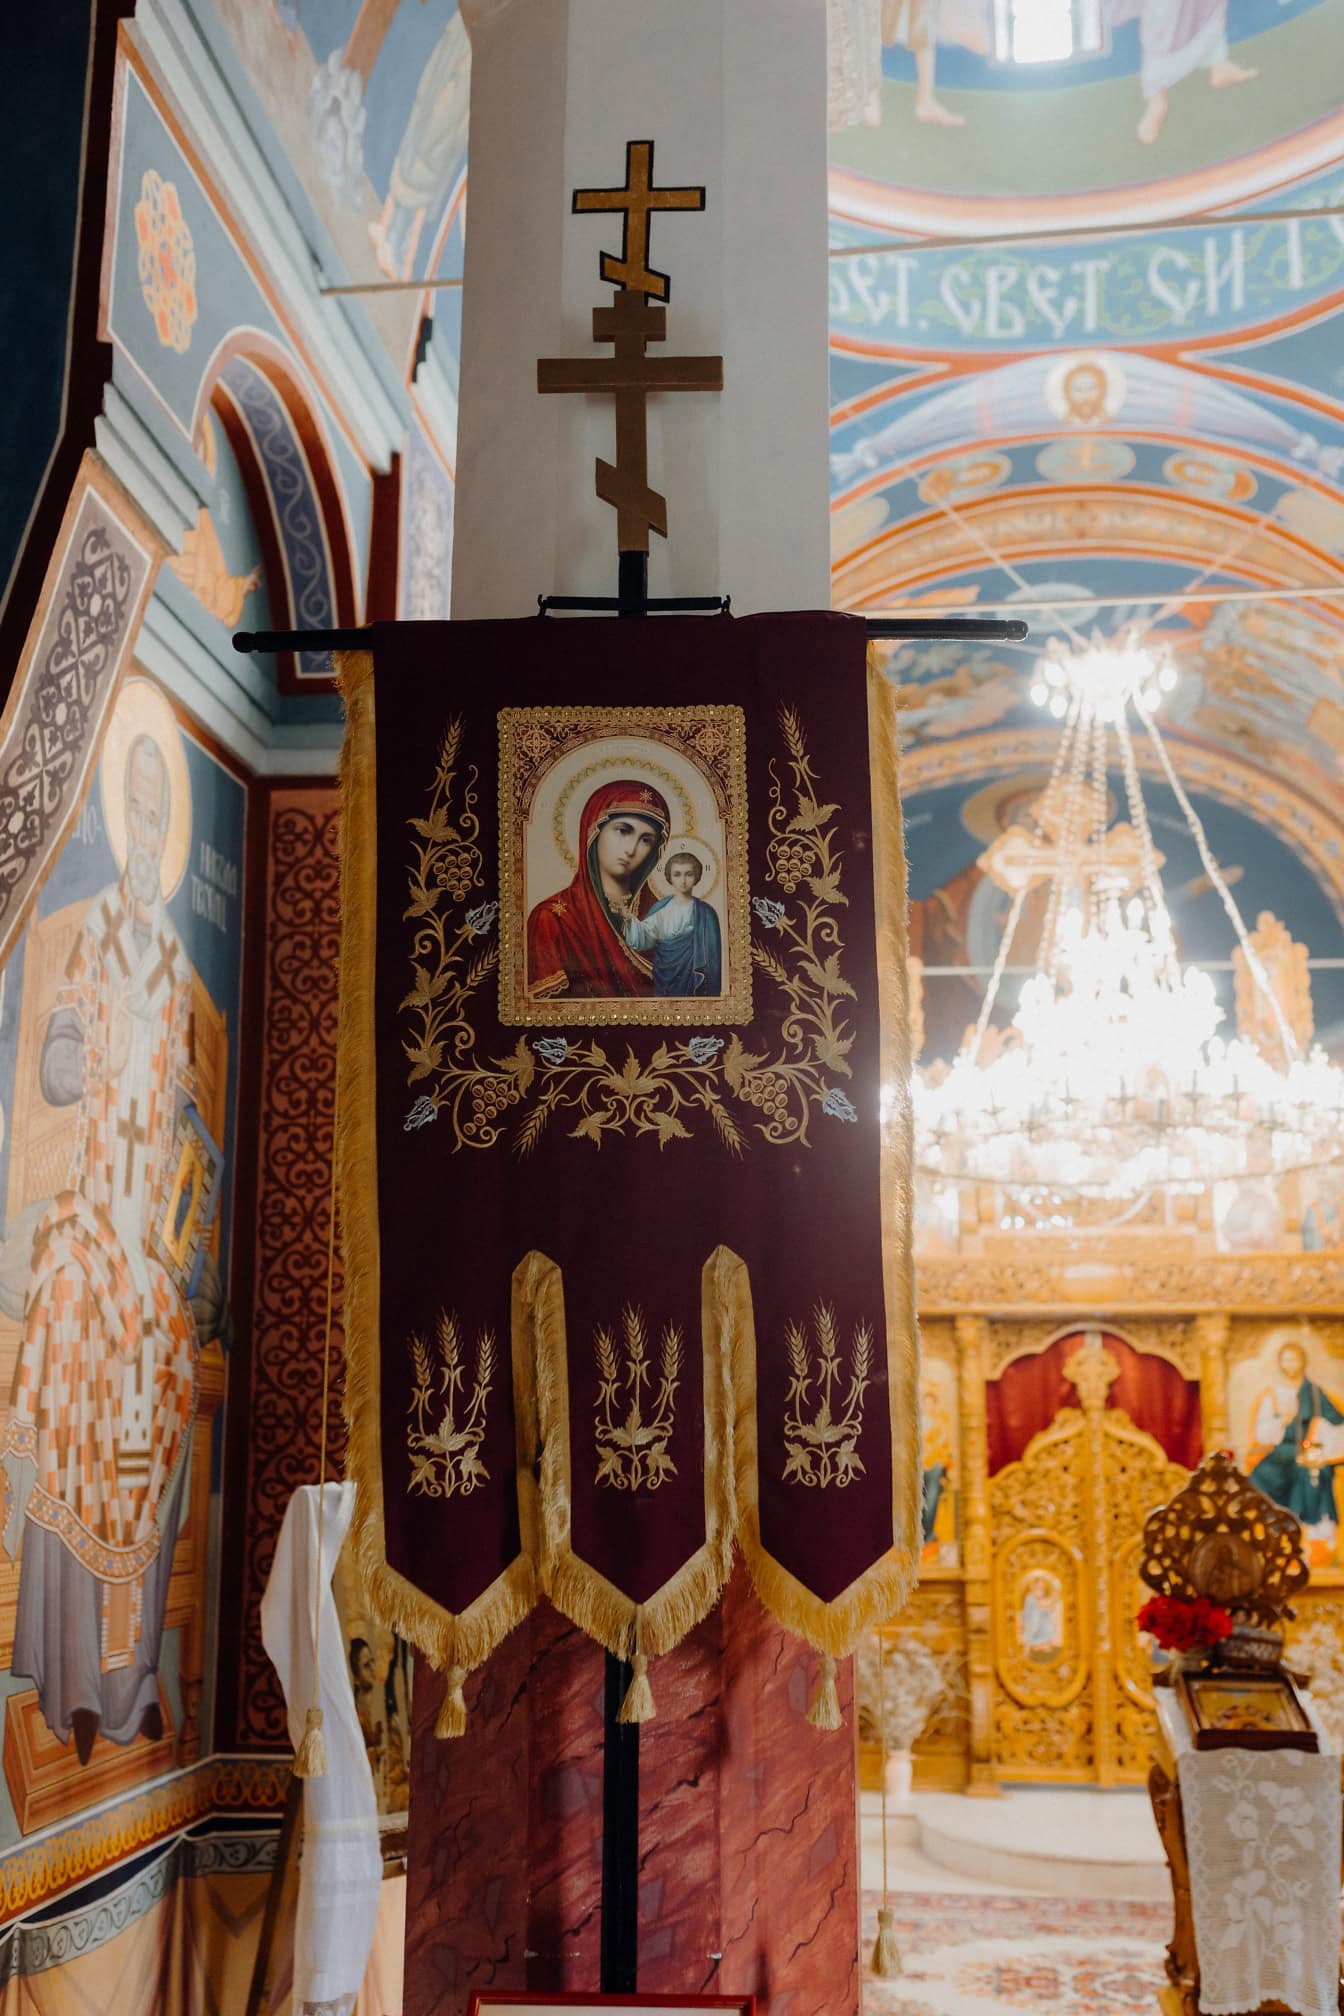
(575,941)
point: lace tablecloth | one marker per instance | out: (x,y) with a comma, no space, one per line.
(1262,1837)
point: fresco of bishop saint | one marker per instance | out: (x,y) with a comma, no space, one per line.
(97,1443)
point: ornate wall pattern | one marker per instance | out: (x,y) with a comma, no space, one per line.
(298,514)
(296,1094)
(98,580)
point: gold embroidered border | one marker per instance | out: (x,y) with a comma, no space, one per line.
(835,1628)
(446,1640)
(577,1590)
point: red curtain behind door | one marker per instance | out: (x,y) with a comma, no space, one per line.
(1031,1391)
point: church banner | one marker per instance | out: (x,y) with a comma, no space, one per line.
(625,1130)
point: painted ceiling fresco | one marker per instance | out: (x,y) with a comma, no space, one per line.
(1112,418)
(368,101)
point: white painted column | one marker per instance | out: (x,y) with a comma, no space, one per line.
(733,95)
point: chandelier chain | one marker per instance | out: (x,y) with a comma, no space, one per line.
(1113,1082)
(1229,903)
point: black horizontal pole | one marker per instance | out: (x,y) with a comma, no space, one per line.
(963,629)
(251,641)
(884,629)
(651,606)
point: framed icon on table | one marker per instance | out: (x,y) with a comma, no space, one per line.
(1245,1711)
(517,2002)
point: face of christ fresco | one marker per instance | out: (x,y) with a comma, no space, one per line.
(624,845)
(1085,392)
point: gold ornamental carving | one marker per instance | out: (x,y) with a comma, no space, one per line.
(1147,1283)
(1092,1370)
(1012,1337)
(1072,1699)
(1223,1539)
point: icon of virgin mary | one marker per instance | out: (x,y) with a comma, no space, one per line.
(576,939)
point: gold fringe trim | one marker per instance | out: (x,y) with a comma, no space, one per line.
(465,1640)
(541,1374)
(638,1703)
(886,1961)
(310,1759)
(825,1710)
(453,1713)
(835,1628)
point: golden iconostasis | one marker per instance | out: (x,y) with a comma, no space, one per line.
(1046,1444)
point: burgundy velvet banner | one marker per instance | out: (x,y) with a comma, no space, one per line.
(626,1169)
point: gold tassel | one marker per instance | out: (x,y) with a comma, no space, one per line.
(825,1710)
(886,1953)
(638,1703)
(453,1714)
(310,1759)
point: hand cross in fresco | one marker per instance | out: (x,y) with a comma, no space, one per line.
(133,1134)
(167,966)
(110,941)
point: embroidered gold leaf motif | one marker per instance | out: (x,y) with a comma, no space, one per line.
(632,1448)
(665,1094)
(445,1450)
(822,1429)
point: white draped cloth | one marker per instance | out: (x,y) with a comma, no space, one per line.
(341,1869)
(854,63)
(1262,1838)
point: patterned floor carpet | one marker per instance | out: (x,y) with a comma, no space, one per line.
(984,1955)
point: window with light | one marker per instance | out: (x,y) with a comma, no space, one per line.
(1047,31)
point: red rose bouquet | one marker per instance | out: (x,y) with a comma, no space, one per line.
(1185,1623)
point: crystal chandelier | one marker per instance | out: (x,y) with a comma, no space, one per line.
(1113,1081)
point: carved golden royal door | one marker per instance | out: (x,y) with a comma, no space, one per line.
(1071,1693)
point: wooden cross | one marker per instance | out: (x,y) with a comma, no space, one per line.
(133,1135)
(637,201)
(630,325)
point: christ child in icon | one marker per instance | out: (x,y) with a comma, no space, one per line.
(603,936)
(681,933)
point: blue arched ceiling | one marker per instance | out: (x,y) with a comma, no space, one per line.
(1140,409)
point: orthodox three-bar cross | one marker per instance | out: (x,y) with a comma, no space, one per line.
(630,325)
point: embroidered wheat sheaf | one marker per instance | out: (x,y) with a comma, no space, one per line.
(632,1448)
(445,1449)
(822,1429)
